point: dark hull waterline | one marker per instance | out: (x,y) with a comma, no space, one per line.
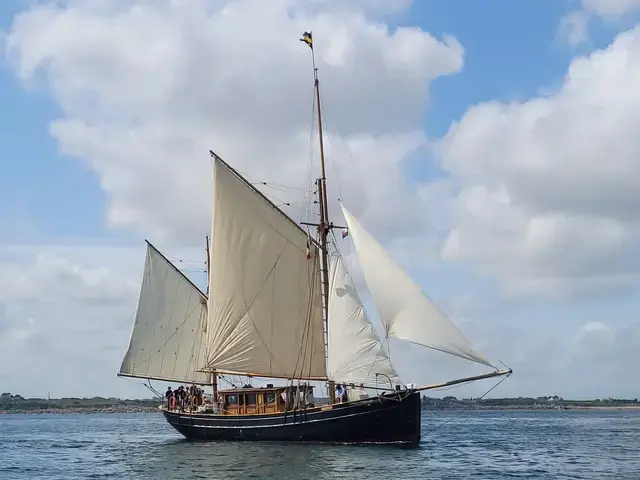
(388,419)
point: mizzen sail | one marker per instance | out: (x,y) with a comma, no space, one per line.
(265,311)
(167,337)
(356,354)
(406,312)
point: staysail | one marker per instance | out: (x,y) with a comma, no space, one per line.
(265,311)
(167,337)
(406,312)
(356,354)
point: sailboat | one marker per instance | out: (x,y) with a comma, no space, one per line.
(281,304)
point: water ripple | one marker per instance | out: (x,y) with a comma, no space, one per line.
(482,445)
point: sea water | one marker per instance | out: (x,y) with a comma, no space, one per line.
(488,445)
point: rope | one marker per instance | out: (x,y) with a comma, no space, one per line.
(153,390)
(464,409)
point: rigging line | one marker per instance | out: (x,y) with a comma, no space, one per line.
(253,184)
(248,307)
(298,203)
(350,265)
(279,186)
(195,345)
(316,266)
(179,327)
(453,387)
(359,171)
(151,389)
(303,344)
(173,305)
(466,408)
(157,309)
(375,332)
(284,237)
(309,181)
(179,260)
(275,199)
(222,377)
(258,292)
(333,161)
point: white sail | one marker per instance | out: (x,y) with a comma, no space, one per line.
(406,312)
(167,337)
(265,312)
(356,353)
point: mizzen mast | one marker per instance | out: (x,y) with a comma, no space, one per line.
(324,226)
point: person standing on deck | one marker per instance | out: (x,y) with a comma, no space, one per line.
(169,394)
(339,392)
(178,394)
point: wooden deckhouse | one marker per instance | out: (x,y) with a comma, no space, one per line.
(263,400)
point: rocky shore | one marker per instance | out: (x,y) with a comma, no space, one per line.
(534,407)
(83,410)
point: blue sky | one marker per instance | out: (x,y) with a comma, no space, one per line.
(42,193)
(512,53)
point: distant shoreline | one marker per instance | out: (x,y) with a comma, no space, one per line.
(150,409)
(80,410)
(16,404)
(517,408)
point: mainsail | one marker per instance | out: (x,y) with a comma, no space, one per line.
(356,354)
(406,312)
(265,310)
(167,337)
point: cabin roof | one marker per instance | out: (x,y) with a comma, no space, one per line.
(280,388)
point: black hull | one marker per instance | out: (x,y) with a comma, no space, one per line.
(389,419)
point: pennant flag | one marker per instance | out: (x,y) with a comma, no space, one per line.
(345,232)
(306,38)
(308,250)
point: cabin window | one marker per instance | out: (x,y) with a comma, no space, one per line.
(242,399)
(232,399)
(252,399)
(270,397)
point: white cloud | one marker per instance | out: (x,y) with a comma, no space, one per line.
(66,313)
(148,88)
(610,9)
(574,27)
(65,317)
(548,197)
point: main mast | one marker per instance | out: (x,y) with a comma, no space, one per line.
(324,225)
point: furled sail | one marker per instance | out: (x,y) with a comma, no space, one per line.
(167,337)
(265,315)
(356,353)
(406,312)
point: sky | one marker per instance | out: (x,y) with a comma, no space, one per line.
(490,146)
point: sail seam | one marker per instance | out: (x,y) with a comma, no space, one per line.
(248,307)
(375,333)
(173,308)
(177,270)
(262,195)
(179,327)
(155,326)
